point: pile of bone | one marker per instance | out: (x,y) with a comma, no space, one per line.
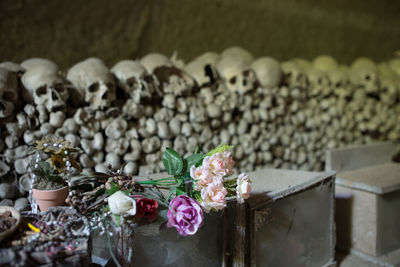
(282,115)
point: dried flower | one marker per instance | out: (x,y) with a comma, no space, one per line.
(146,207)
(185,214)
(214,196)
(121,204)
(243,187)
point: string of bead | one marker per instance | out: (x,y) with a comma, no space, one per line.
(34,206)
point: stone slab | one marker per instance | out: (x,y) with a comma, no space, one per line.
(355,157)
(378,179)
(391,259)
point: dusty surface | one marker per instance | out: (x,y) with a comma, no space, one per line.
(378,179)
(69,31)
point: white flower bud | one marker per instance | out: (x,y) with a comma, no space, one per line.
(121,204)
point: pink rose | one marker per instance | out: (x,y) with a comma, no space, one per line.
(203,176)
(185,214)
(213,196)
(243,187)
(146,207)
(220,164)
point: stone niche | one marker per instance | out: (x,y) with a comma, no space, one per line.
(367,201)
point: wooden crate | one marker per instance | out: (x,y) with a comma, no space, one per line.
(290,219)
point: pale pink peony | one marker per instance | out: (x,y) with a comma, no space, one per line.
(243,187)
(213,196)
(220,164)
(203,176)
(185,214)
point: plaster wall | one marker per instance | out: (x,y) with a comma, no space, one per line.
(69,31)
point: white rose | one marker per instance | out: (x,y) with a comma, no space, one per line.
(121,204)
(243,187)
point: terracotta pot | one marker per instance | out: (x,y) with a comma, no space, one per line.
(50,198)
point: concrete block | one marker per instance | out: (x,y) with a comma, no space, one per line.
(355,157)
(368,201)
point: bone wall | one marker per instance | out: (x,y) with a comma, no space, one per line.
(276,114)
(69,31)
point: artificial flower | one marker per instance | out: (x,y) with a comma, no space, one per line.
(121,204)
(53,144)
(243,187)
(185,214)
(221,164)
(146,208)
(202,176)
(214,196)
(57,162)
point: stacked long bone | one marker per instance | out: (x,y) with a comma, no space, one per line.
(282,115)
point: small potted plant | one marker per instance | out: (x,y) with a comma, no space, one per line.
(52,165)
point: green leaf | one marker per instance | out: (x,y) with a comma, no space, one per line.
(172,191)
(195,159)
(197,150)
(117,219)
(219,149)
(127,192)
(180,192)
(99,193)
(173,162)
(197,196)
(114,188)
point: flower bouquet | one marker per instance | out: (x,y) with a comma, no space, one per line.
(199,183)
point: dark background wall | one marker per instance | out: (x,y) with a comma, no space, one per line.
(70,31)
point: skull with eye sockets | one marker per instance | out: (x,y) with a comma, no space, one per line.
(8,92)
(94,82)
(237,76)
(43,84)
(135,80)
(169,78)
(364,74)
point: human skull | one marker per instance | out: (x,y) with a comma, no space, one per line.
(237,76)
(170,79)
(364,74)
(13,67)
(319,82)
(389,92)
(94,82)
(155,60)
(8,92)
(302,63)
(203,69)
(394,64)
(174,81)
(210,58)
(294,75)
(325,63)
(238,52)
(35,63)
(340,83)
(135,80)
(204,74)
(268,72)
(43,85)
